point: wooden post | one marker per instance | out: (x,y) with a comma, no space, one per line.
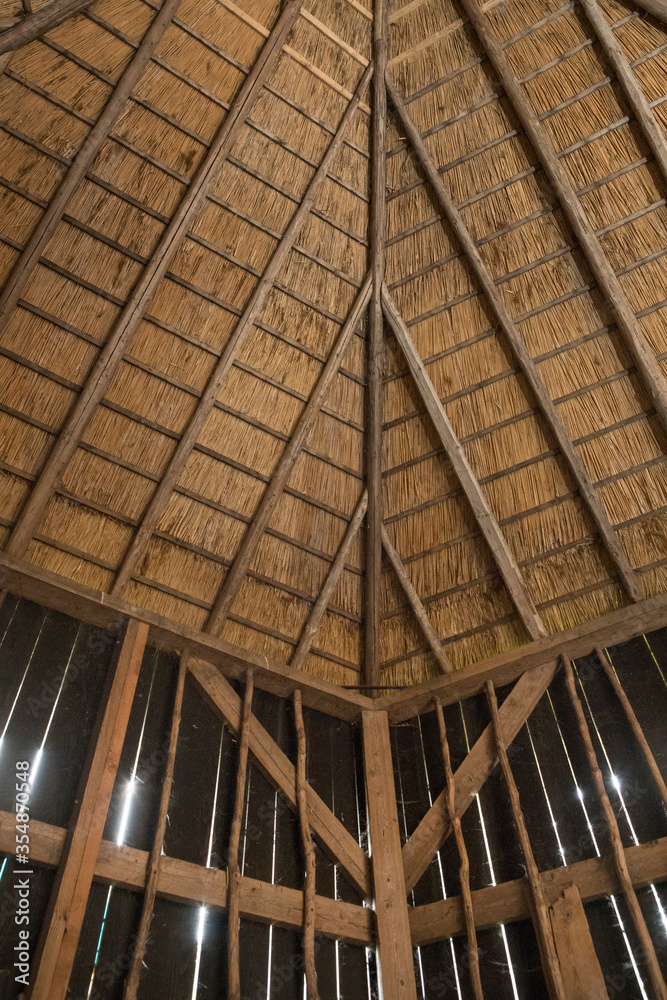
(634,723)
(464,869)
(626,321)
(582,975)
(375,355)
(524,359)
(155,858)
(394,945)
(330,584)
(233,869)
(36,25)
(309,855)
(657,981)
(67,906)
(545,938)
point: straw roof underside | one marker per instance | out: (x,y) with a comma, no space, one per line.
(54,89)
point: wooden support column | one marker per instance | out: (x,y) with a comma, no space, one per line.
(415,603)
(208,398)
(582,975)
(330,584)
(620,863)
(545,938)
(309,855)
(67,906)
(36,25)
(375,354)
(634,723)
(464,869)
(552,418)
(391,911)
(483,514)
(155,858)
(627,324)
(274,490)
(82,162)
(233,869)
(102,372)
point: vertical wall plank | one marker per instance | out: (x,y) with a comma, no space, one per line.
(582,975)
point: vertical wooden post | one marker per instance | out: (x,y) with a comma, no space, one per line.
(309,854)
(67,906)
(657,981)
(394,945)
(464,870)
(545,938)
(634,724)
(233,870)
(376,348)
(155,859)
(582,975)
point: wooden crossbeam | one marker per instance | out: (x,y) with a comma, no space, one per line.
(37,24)
(420,849)
(626,322)
(483,514)
(102,372)
(52,216)
(274,490)
(415,603)
(217,379)
(62,926)
(524,359)
(375,351)
(330,831)
(326,593)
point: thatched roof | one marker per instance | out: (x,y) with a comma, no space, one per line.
(208,365)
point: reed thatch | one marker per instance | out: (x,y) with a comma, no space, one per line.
(55,89)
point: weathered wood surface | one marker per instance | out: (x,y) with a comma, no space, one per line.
(582,975)
(37,24)
(233,867)
(309,855)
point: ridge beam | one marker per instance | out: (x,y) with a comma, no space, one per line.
(485,518)
(530,370)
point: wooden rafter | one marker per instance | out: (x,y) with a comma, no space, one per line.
(420,849)
(483,514)
(319,608)
(233,868)
(415,603)
(82,162)
(280,771)
(305,424)
(210,395)
(375,352)
(102,372)
(627,324)
(36,25)
(67,906)
(309,854)
(524,359)
(655,7)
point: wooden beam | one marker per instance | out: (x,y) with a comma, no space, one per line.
(340,844)
(233,868)
(541,918)
(67,906)
(36,25)
(317,613)
(274,490)
(309,855)
(523,357)
(155,857)
(627,324)
(52,216)
(582,975)
(391,910)
(102,372)
(415,603)
(483,514)
(510,901)
(420,849)
(618,853)
(195,885)
(655,7)
(375,351)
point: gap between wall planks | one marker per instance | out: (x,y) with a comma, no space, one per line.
(64,918)
(59,593)
(101,374)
